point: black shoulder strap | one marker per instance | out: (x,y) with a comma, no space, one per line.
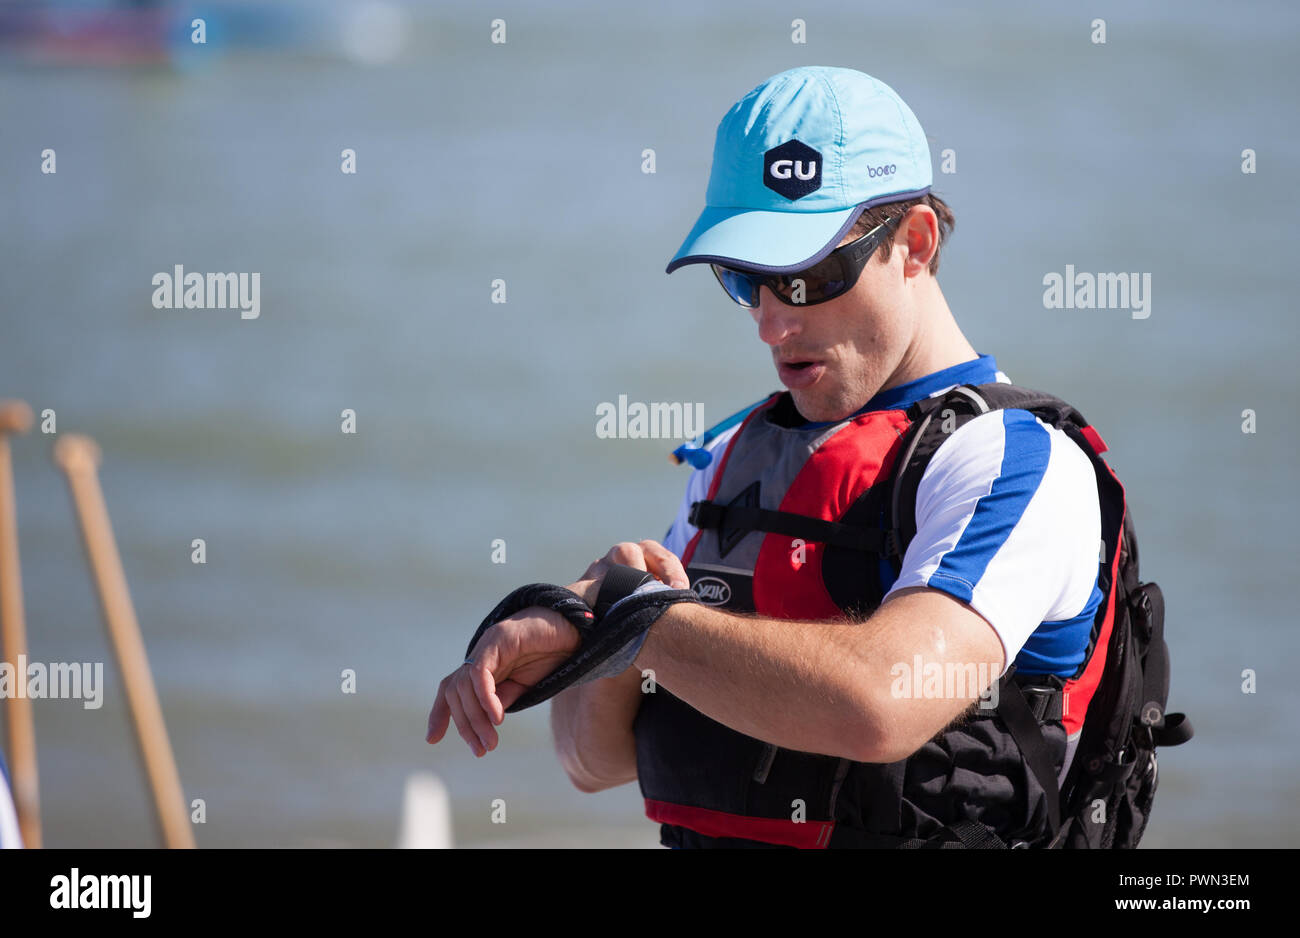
(746,518)
(1025,729)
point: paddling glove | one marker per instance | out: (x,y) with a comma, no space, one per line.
(629,603)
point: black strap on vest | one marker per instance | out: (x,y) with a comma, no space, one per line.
(1020,721)
(1167,729)
(706,514)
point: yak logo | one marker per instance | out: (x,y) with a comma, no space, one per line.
(712,591)
(792,170)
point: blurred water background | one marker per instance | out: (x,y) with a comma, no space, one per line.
(475,421)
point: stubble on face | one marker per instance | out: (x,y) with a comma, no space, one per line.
(862,337)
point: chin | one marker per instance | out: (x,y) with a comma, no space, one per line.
(816,409)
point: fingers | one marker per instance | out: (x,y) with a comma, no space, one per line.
(627,554)
(439,715)
(484,684)
(458,717)
(480,729)
(647,555)
(468,697)
(664,564)
(510,691)
(652,557)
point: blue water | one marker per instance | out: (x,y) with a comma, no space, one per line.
(475,420)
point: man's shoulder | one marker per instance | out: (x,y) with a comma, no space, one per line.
(1010,450)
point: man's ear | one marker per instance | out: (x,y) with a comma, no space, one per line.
(918,233)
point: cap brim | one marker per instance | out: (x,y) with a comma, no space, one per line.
(764,242)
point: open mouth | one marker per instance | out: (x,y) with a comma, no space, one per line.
(800,373)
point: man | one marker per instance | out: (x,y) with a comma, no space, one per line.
(780,712)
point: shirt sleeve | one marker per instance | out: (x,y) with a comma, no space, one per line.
(1008,520)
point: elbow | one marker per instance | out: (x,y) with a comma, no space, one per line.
(875,735)
(869,746)
(886,751)
(582,778)
(589,784)
(577,774)
(586,785)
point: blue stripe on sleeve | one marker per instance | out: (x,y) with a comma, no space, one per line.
(1025,453)
(1059,647)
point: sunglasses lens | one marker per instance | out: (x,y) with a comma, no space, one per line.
(741,287)
(823,281)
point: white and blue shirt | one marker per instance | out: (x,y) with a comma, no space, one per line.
(1007,520)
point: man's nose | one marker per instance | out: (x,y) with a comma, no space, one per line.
(776,321)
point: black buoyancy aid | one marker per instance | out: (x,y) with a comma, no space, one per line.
(847,493)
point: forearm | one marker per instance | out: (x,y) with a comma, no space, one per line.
(592,728)
(830,687)
(798,685)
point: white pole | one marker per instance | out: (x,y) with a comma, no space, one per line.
(426,814)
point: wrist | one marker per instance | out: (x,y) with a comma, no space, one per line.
(587,589)
(623,600)
(663,639)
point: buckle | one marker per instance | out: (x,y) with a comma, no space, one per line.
(1045,702)
(705,514)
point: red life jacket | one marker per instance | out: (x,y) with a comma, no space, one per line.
(797,524)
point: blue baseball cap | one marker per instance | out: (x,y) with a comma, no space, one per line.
(796,161)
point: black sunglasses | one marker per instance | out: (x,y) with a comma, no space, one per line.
(832,276)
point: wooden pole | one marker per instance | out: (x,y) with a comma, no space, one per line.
(78,457)
(16,417)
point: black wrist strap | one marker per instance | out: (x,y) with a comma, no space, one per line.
(601,638)
(613,632)
(564,601)
(619,583)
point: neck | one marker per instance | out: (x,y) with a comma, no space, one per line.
(938,342)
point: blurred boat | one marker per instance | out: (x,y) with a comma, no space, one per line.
(81,34)
(133,33)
